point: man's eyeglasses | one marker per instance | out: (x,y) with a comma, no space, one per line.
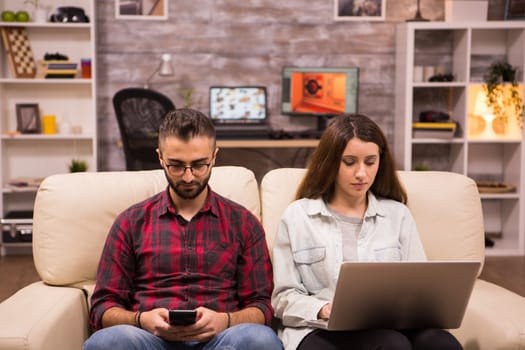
(195,169)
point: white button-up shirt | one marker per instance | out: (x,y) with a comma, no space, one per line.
(308,252)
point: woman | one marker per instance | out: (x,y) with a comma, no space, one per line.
(350,207)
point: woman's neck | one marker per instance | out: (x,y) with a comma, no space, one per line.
(350,206)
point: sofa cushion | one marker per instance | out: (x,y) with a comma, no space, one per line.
(74,212)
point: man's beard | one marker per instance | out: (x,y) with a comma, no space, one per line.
(178,187)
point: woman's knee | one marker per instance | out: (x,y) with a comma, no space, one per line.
(434,339)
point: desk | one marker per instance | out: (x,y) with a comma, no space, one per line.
(262,156)
(281,143)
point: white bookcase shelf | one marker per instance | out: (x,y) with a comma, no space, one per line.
(465,50)
(71,100)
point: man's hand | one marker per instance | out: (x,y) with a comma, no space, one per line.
(209,324)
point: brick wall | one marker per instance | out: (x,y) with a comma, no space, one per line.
(223,42)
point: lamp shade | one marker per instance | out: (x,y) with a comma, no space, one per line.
(164,69)
(480,105)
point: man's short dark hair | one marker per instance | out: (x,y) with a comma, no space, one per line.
(186,123)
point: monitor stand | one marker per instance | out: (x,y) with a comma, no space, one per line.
(322,122)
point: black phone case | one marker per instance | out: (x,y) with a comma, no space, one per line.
(182,317)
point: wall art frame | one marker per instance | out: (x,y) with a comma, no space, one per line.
(141,9)
(359,10)
(27,118)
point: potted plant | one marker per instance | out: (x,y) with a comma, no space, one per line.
(77,166)
(187,95)
(502,92)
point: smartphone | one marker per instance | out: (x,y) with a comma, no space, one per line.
(182,317)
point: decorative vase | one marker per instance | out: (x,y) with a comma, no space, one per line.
(40,15)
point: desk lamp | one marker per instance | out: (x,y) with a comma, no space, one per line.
(164,69)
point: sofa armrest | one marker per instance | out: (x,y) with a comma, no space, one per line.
(495,319)
(43,317)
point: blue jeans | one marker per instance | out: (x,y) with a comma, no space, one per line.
(245,336)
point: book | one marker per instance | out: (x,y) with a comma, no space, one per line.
(443,130)
(61,66)
(434,125)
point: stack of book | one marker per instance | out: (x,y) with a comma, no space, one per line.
(60,69)
(441,130)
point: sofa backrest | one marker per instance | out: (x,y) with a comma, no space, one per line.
(446,207)
(74,212)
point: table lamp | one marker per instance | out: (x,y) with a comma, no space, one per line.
(164,69)
(481,109)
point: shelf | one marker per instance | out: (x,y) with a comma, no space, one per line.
(436,140)
(71,100)
(465,50)
(46,81)
(489,196)
(10,190)
(40,137)
(46,25)
(439,84)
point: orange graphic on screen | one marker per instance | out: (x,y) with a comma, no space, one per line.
(318,92)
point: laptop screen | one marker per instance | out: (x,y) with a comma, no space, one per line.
(238,104)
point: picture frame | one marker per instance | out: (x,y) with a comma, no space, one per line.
(141,9)
(514,10)
(27,118)
(359,10)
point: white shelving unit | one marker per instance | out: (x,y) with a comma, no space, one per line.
(466,50)
(71,100)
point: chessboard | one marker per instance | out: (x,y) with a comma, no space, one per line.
(19,53)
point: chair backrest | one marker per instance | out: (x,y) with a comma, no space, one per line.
(74,212)
(139,113)
(446,207)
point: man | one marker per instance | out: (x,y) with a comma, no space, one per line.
(184,248)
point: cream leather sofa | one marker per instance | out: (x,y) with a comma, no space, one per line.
(73,213)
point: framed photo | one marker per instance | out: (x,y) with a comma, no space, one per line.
(359,10)
(515,9)
(141,9)
(27,118)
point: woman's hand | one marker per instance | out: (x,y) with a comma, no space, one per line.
(324,313)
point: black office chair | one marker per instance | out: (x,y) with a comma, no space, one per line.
(139,114)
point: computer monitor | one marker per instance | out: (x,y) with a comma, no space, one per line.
(238,104)
(320,92)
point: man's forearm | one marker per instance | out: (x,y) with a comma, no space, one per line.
(116,315)
(248,315)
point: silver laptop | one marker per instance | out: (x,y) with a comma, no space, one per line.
(401,295)
(239,111)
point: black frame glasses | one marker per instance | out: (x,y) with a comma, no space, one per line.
(195,169)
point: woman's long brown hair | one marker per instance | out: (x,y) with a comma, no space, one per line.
(324,164)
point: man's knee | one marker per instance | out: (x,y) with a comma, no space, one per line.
(254,337)
(116,338)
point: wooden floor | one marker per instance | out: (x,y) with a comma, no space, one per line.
(17,271)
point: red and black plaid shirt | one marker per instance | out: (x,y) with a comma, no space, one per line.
(154,258)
